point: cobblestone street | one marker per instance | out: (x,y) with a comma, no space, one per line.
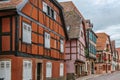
(112,76)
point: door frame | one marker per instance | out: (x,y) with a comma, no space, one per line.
(41,62)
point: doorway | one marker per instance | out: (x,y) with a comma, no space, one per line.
(39,71)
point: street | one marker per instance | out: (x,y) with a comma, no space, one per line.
(112,76)
(109,76)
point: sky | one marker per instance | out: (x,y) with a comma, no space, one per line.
(104,14)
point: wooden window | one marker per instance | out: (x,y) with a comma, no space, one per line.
(26,37)
(5,70)
(45,7)
(61,69)
(27,70)
(48,69)
(61,46)
(49,11)
(47,40)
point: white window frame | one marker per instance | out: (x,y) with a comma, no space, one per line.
(26,33)
(48,69)
(5,71)
(61,46)
(45,9)
(27,65)
(61,69)
(47,40)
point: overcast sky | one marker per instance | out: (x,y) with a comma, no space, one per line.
(104,14)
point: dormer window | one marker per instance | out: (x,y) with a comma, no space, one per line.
(68,28)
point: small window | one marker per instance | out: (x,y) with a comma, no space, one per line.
(68,28)
(61,69)
(49,11)
(44,7)
(61,46)
(26,33)
(48,69)
(47,40)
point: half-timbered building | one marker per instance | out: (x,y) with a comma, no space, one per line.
(104,54)
(75,46)
(32,38)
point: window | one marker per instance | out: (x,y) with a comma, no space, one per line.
(68,28)
(44,7)
(48,69)
(27,70)
(26,33)
(5,70)
(47,40)
(49,11)
(61,69)
(61,46)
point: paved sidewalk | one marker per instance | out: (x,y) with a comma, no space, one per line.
(91,76)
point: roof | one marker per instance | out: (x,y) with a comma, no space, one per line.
(14,4)
(9,4)
(69,6)
(72,19)
(101,41)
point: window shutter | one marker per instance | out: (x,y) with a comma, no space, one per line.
(27,70)
(47,40)
(55,15)
(5,70)
(45,36)
(61,69)
(48,69)
(26,33)
(61,46)
(44,7)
